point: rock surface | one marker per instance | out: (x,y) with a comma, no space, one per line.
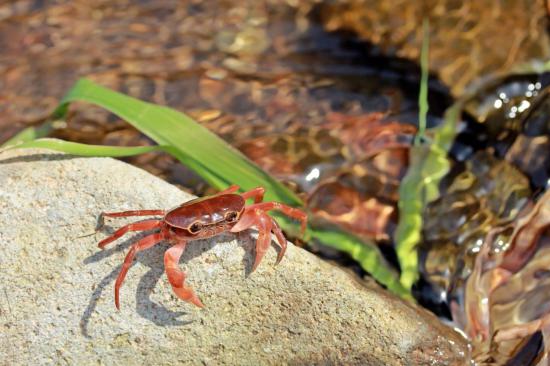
(56,286)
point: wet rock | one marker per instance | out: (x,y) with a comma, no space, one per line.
(56,286)
(486,193)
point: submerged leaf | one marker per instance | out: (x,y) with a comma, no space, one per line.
(507,295)
(429,164)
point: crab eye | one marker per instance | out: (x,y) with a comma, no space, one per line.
(195,228)
(231,216)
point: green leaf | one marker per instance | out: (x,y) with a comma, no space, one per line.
(195,146)
(217,162)
(417,187)
(428,165)
(420,186)
(423,94)
(532,67)
(75,148)
(365,253)
(29,134)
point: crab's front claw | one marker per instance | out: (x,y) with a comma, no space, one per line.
(187,294)
(177,280)
(176,276)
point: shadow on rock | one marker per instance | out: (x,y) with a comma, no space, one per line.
(152,258)
(145,307)
(38,158)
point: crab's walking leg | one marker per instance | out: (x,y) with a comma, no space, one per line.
(264,224)
(256,193)
(231,189)
(142,244)
(287,210)
(280,238)
(137,226)
(176,276)
(133,213)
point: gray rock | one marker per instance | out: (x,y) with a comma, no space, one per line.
(56,286)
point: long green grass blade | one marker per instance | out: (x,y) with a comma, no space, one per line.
(365,253)
(75,148)
(29,134)
(420,186)
(213,159)
(193,144)
(426,164)
(423,94)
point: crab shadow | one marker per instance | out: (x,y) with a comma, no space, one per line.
(153,259)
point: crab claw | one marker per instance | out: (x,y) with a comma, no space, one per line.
(186,293)
(176,276)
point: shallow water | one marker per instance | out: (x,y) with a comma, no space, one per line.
(268,78)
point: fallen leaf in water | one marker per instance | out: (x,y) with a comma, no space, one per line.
(507,297)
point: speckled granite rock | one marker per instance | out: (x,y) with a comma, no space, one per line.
(56,286)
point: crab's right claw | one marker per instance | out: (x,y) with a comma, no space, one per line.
(176,276)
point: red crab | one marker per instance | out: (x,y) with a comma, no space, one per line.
(198,219)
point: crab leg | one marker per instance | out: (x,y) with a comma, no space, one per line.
(276,229)
(256,193)
(133,213)
(265,225)
(137,226)
(142,244)
(287,210)
(231,189)
(176,276)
